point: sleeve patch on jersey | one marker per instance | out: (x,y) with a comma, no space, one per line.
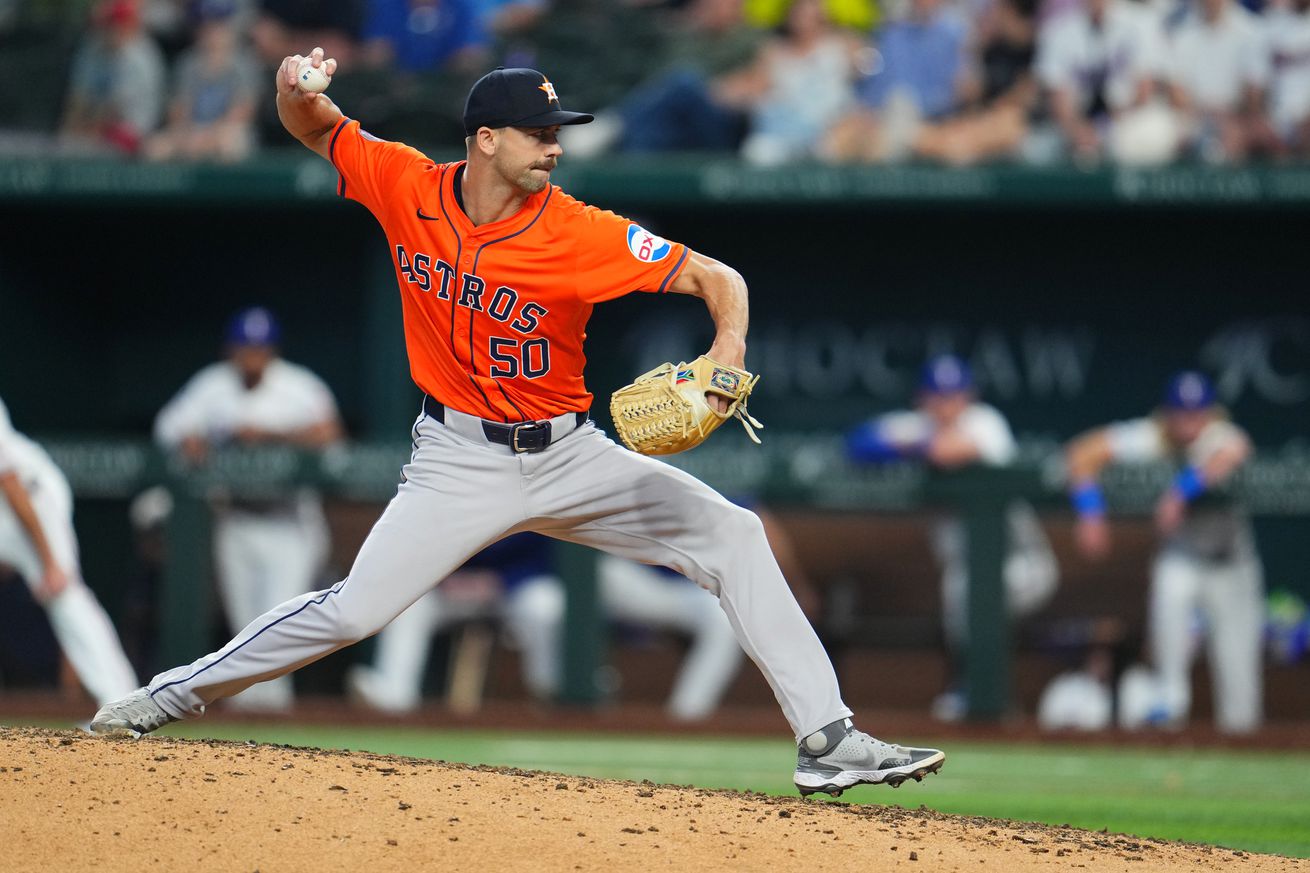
(646,246)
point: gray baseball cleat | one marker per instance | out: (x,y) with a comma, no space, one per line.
(137,712)
(840,757)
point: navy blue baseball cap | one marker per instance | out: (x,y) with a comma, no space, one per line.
(1188,390)
(516,97)
(255,326)
(946,374)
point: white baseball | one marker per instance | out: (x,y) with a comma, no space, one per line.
(311,78)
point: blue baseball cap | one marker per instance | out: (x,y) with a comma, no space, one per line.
(255,326)
(1188,390)
(946,374)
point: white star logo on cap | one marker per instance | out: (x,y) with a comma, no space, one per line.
(550,91)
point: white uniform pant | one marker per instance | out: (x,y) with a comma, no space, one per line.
(79,622)
(461,494)
(264,560)
(639,594)
(1230,597)
(1030,574)
(532,613)
(533,616)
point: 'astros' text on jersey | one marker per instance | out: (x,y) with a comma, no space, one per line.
(495,315)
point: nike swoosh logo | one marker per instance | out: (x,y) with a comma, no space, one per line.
(419,211)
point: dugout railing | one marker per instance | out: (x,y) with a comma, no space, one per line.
(806,470)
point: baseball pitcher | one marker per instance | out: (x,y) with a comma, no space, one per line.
(498,271)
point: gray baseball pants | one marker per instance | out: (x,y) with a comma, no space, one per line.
(1230,594)
(461,492)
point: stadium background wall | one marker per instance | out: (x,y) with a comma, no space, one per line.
(1073,308)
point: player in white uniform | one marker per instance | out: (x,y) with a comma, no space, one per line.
(266,551)
(655,597)
(1207,562)
(951,429)
(1287,33)
(37,540)
(514,581)
(531,606)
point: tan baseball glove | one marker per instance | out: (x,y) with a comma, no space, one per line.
(665,411)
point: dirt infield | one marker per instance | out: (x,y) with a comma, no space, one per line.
(70,801)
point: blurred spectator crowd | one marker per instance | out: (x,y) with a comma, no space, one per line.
(950,81)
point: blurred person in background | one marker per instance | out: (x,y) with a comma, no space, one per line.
(1218,71)
(660,599)
(38,541)
(854,15)
(697,99)
(1207,564)
(999,93)
(1287,35)
(711,37)
(503,18)
(418,36)
(116,90)
(514,581)
(1099,64)
(172,23)
(265,550)
(526,594)
(212,109)
(654,597)
(282,25)
(803,83)
(599,50)
(950,429)
(917,74)
(149,514)
(775,103)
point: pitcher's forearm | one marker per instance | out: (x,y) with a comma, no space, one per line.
(724,292)
(309,119)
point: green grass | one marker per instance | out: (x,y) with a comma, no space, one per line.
(1259,801)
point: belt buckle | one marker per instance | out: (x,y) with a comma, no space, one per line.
(531,427)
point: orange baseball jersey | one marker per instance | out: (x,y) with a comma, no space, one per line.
(495,316)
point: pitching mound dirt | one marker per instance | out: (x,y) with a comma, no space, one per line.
(70,801)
